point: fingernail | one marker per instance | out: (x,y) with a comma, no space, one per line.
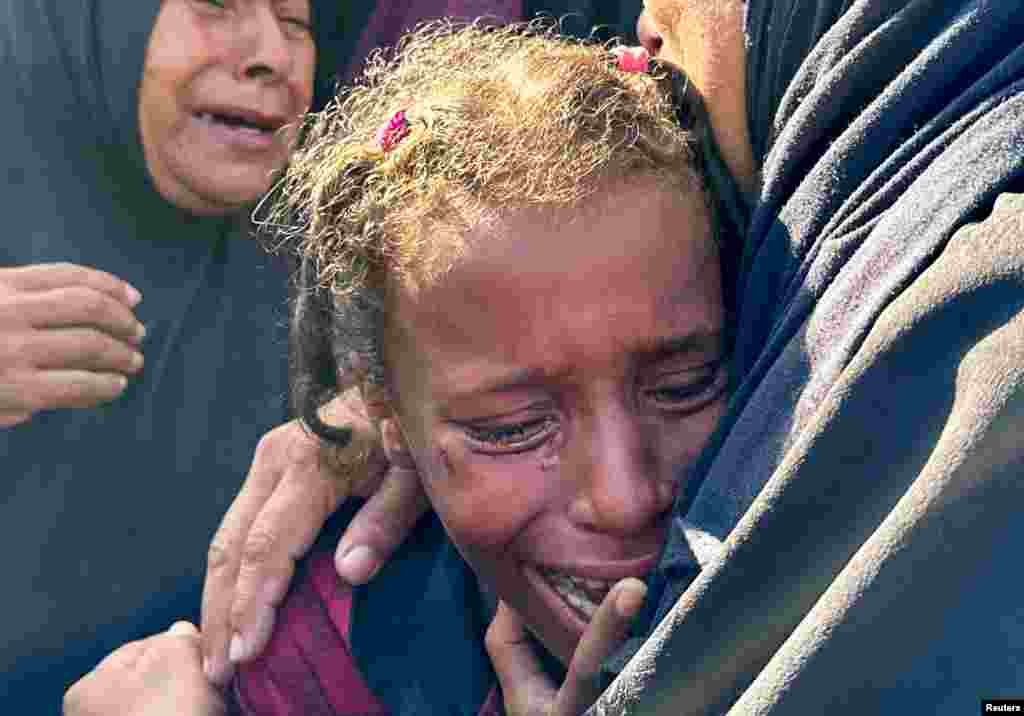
(248,643)
(236,651)
(140,332)
(358,565)
(134,297)
(630,598)
(137,361)
(273,590)
(257,637)
(183,628)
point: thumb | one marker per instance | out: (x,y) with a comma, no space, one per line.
(527,690)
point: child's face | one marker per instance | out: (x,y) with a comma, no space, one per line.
(554,385)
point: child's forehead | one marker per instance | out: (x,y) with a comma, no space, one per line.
(619,231)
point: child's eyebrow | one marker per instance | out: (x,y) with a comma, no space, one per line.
(701,342)
(511,380)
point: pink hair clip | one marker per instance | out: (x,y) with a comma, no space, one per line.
(632,59)
(393,131)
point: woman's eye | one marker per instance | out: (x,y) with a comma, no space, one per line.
(216,3)
(514,437)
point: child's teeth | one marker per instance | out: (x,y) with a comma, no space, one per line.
(581,603)
(579,592)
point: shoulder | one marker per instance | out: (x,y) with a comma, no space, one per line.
(308,668)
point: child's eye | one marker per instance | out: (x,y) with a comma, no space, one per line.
(513,437)
(300,24)
(690,391)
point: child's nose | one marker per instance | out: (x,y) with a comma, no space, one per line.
(620,486)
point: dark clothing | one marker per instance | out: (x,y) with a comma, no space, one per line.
(385,22)
(410,642)
(847,544)
(106,513)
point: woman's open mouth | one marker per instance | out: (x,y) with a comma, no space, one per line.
(242,129)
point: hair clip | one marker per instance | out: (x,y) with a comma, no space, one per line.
(631,59)
(394,131)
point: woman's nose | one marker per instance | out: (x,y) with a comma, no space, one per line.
(650,38)
(621,487)
(267,54)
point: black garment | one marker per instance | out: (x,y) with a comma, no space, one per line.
(417,629)
(106,514)
(602,18)
(848,542)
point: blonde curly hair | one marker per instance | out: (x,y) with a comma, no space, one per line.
(500,120)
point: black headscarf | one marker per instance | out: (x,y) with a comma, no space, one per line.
(847,542)
(106,513)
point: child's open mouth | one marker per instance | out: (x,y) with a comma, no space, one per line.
(583,594)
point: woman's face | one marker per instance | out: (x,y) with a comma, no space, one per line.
(222,82)
(552,387)
(705,38)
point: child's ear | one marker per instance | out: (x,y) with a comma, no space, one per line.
(375,396)
(395,447)
(380,409)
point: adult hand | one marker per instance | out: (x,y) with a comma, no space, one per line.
(293,486)
(158,676)
(68,338)
(527,689)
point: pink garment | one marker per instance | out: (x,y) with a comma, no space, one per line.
(391,18)
(307,668)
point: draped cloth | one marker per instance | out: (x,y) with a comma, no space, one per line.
(848,541)
(390,19)
(106,513)
(386,21)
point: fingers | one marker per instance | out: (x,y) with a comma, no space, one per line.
(283,531)
(224,558)
(8,420)
(381,525)
(60,389)
(125,656)
(527,690)
(66,368)
(251,558)
(607,630)
(70,338)
(44,277)
(75,306)
(82,349)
